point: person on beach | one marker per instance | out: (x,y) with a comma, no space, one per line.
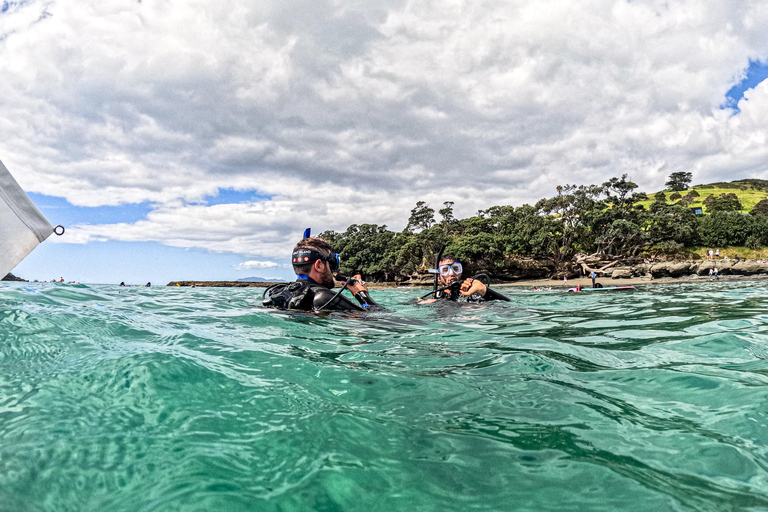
(314,264)
(450,271)
(593,276)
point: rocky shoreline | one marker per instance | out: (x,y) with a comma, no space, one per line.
(688,269)
(646,272)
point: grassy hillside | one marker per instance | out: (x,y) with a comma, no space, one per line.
(749,192)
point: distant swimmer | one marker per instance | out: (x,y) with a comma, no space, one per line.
(122,283)
(450,271)
(148,285)
(314,263)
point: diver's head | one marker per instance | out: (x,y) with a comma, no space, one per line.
(313,257)
(449,270)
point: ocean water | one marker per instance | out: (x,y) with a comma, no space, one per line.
(180,399)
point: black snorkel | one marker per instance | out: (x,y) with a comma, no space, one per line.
(436,273)
(437,263)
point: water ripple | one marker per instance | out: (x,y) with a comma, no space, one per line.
(197,399)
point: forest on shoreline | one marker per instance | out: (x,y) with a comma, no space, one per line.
(609,222)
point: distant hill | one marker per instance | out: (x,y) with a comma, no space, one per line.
(259,280)
(749,192)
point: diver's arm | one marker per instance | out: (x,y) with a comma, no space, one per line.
(491,294)
(360,291)
(367,302)
(473,286)
(324,300)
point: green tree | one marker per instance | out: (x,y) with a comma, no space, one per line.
(679,181)
(422,217)
(448,221)
(660,197)
(364,248)
(413,252)
(761,208)
(725,228)
(671,223)
(570,216)
(447,213)
(725,203)
(618,228)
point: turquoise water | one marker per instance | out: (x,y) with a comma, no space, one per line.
(166,399)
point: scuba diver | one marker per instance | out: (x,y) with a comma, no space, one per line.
(451,287)
(314,264)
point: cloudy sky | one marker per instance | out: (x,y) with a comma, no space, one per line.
(197,139)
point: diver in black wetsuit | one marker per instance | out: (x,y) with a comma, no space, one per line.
(314,263)
(453,288)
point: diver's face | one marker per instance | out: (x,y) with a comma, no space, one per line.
(451,277)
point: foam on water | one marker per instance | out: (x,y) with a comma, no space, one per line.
(196,399)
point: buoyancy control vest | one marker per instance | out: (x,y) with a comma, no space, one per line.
(306,295)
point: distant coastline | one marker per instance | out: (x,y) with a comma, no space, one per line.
(691,271)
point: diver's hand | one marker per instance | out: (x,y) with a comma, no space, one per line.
(473,286)
(357,285)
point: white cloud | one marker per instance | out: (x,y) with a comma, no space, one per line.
(250,265)
(351,112)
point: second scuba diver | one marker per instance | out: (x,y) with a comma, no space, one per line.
(449,271)
(314,264)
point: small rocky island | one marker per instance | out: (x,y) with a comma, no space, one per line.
(11,277)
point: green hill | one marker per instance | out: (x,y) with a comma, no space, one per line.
(749,192)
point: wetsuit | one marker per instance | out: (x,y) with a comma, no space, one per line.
(454,295)
(305,294)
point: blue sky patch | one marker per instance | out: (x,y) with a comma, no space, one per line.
(59,211)
(232,196)
(756,73)
(6,5)
(134,263)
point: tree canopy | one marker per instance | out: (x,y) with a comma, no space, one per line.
(605,220)
(679,181)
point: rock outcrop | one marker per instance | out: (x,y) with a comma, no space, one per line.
(11,277)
